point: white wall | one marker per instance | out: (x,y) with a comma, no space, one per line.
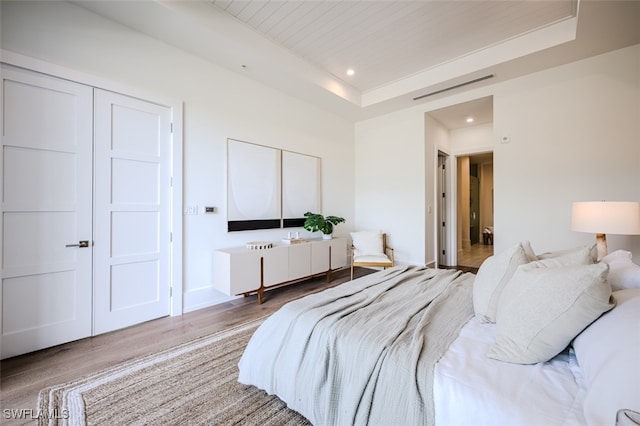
(218,104)
(575,135)
(390,185)
(472,139)
(440,140)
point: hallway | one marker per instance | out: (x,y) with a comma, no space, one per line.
(475,256)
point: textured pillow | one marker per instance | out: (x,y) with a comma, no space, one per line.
(568,258)
(628,418)
(623,273)
(528,251)
(573,256)
(493,275)
(608,352)
(542,309)
(367,243)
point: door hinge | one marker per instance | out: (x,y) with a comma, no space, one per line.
(443,224)
(170,237)
(443,252)
(171,127)
(443,194)
(171,291)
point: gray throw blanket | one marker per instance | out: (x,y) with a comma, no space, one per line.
(362,352)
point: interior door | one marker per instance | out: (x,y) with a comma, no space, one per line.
(46,211)
(132,211)
(442,210)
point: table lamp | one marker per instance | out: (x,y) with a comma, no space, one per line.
(606,217)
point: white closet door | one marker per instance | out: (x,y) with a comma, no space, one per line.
(132,211)
(46,211)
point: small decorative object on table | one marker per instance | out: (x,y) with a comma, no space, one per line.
(293,240)
(259,245)
(317,222)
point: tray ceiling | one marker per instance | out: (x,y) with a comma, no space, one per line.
(401,50)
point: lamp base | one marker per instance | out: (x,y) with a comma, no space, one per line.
(601,245)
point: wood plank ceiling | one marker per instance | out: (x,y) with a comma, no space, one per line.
(384,41)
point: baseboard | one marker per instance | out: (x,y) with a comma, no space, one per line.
(203,298)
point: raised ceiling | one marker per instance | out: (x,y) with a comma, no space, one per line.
(400,49)
(386,41)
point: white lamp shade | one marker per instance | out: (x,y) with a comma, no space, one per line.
(606,217)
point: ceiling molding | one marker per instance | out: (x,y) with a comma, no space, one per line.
(200,28)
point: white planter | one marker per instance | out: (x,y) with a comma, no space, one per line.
(327,236)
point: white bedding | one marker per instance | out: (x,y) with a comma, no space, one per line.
(472,389)
(361,353)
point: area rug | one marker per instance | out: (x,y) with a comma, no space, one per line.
(194,383)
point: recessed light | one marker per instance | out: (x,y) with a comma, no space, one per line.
(469,119)
(350,72)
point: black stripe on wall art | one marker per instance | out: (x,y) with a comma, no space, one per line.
(293,223)
(249,225)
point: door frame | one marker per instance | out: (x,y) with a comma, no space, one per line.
(176,106)
(445,239)
(451,201)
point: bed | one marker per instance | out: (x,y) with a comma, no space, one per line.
(549,339)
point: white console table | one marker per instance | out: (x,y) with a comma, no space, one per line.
(239,270)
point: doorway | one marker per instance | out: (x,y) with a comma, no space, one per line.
(475,209)
(462,132)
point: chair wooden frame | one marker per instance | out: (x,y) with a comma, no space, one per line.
(385,249)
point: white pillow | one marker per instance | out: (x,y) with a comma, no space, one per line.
(573,256)
(623,273)
(608,352)
(492,276)
(367,243)
(566,258)
(528,251)
(542,309)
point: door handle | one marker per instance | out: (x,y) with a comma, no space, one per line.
(81,244)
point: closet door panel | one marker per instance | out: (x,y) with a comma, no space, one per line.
(46,211)
(132,280)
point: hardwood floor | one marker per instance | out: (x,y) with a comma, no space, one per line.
(22,377)
(475,255)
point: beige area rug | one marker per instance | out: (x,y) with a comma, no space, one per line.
(194,383)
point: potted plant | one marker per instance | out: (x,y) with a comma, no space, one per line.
(316,222)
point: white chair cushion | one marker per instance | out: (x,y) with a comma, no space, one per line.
(371,258)
(367,243)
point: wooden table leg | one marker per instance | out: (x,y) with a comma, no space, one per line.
(261,289)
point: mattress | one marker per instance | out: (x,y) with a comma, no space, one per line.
(470,388)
